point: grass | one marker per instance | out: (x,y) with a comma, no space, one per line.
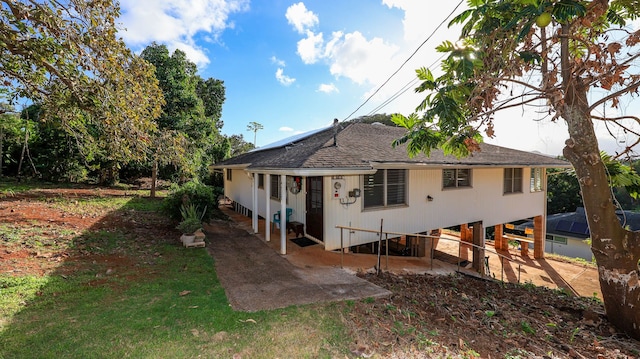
(172,306)
(147,317)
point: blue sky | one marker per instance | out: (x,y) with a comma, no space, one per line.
(294,66)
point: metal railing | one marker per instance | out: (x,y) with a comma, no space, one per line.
(386,234)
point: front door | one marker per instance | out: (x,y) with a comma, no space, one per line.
(314,207)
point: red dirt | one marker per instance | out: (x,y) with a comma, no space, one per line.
(59,234)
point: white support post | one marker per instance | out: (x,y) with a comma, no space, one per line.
(283,214)
(267,201)
(254,197)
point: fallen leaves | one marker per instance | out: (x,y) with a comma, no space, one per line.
(454,315)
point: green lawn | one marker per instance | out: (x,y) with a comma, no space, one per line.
(170,304)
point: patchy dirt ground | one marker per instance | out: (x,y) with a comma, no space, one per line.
(435,316)
(47,230)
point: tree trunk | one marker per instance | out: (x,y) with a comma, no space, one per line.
(154,178)
(24,147)
(616,250)
(1,144)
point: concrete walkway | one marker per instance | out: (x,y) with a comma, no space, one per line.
(255,277)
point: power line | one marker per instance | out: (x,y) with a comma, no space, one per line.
(404,89)
(407,60)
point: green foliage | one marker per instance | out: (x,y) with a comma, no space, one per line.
(235,145)
(563,191)
(254,127)
(526,327)
(189,140)
(191,218)
(67,57)
(191,193)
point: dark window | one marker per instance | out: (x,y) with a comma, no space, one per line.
(385,188)
(513,180)
(260,180)
(275,187)
(456,177)
(228,174)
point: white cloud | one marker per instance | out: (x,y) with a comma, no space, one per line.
(301,18)
(359,59)
(284,79)
(277,61)
(310,48)
(328,88)
(176,22)
(285,129)
(415,28)
(349,55)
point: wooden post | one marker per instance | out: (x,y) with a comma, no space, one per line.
(524,249)
(478,253)
(464,232)
(538,241)
(500,243)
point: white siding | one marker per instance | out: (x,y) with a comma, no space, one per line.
(575,248)
(239,190)
(484,201)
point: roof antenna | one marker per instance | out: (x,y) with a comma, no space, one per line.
(335,131)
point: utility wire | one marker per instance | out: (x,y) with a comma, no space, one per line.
(404,89)
(407,60)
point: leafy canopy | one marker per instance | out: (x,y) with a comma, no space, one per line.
(65,55)
(503,60)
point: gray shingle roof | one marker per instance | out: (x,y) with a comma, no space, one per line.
(360,144)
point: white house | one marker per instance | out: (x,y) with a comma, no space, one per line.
(350,175)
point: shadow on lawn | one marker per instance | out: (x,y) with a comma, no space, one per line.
(86,280)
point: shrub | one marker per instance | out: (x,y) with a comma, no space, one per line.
(191,218)
(191,193)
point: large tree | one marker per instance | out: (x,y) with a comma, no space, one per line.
(66,56)
(574,57)
(192,110)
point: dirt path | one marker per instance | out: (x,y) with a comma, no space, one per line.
(576,278)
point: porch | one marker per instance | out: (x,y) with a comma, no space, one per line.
(508,264)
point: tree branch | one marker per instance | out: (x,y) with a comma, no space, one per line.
(621,92)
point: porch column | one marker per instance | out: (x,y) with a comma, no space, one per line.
(538,239)
(478,253)
(464,232)
(498,231)
(254,197)
(267,209)
(283,214)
